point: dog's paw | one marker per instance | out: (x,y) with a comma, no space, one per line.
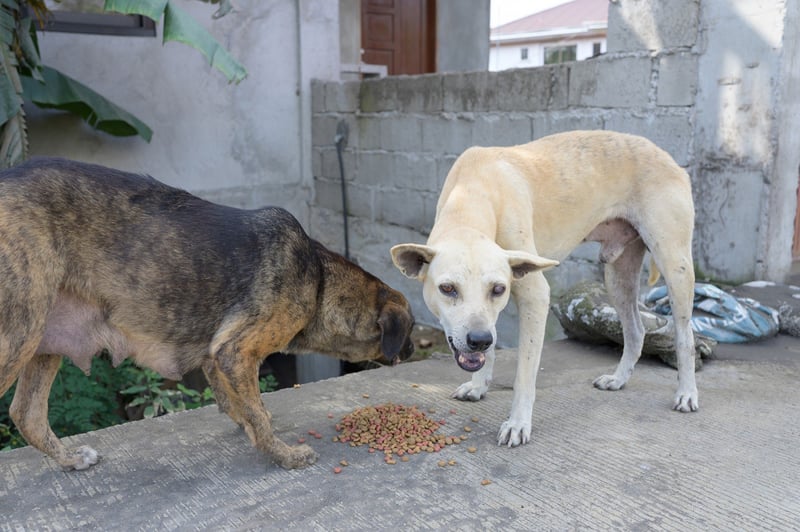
(81,458)
(513,433)
(686,401)
(609,382)
(469,392)
(296,457)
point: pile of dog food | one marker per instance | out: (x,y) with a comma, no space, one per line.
(396,430)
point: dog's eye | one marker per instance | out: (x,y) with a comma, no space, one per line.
(498,290)
(448,289)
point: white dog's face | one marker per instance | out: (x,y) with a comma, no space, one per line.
(466,285)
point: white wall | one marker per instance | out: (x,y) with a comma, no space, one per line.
(245,145)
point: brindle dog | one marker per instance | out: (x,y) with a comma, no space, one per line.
(93,258)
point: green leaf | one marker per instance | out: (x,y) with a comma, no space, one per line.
(60,91)
(29,49)
(149,412)
(178,26)
(10,100)
(13,141)
(139,388)
(182,27)
(152,9)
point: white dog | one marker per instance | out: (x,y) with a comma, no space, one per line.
(502,210)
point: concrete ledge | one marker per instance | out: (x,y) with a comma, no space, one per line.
(598,460)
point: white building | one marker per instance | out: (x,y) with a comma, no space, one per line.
(570,32)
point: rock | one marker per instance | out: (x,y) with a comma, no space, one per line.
(586,314)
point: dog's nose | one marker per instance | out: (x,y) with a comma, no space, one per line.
(479,340)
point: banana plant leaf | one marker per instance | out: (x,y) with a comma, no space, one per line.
(13,133)
(60,91)
(181,27)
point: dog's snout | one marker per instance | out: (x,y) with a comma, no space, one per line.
(479,340)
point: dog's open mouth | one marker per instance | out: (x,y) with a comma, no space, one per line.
(466,360)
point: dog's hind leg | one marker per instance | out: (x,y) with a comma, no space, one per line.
(29,412)
(532,295)
(622,283)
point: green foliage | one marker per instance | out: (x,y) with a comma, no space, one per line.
(80,404)
(10,438)
(59,91)
(13,53)
(268,383)
(151,394)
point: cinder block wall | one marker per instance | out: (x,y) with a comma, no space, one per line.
(663,77)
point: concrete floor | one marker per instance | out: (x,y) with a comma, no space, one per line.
(598,460)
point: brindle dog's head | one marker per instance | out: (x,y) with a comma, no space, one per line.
(358,316)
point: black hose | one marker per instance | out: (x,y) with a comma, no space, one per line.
(341,140)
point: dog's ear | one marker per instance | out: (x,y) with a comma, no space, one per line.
(524,263)
(395,323)
(412,258)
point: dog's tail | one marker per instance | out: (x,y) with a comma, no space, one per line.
(654,273)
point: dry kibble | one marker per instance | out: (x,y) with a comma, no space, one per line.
(471,449)
(344,463)
(467,429)
(301,440)
(337,470)
(365,395)
(394,429)
(415,385)
(474,419)
(441,463)
(485,482)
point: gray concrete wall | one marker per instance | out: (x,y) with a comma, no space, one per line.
(707,81)
(462,35)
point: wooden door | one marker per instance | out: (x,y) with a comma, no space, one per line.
(400,34)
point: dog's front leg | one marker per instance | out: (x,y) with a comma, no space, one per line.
(476,388)
(532,295)
(234,378)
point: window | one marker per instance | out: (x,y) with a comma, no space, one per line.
(523,53)
(559,54)
(597,48)
(87,16)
